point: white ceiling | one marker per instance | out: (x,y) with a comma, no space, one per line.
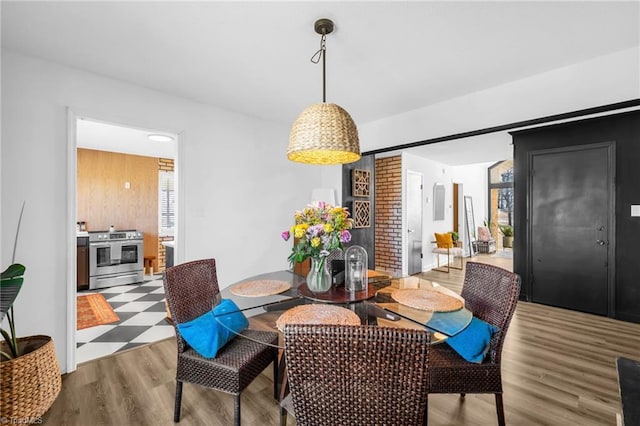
(93,134)
(383,59)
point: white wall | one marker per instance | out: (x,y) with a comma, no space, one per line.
(239,189)
(432,172)
(603,80)
(473,179)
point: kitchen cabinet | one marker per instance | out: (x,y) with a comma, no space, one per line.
(82,263)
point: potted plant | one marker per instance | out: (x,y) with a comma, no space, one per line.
(455,237)
(29,373)
(507,235)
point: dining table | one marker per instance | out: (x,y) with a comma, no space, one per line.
(266,299)
(374,306)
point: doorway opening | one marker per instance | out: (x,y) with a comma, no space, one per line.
(125,207)
(500,205)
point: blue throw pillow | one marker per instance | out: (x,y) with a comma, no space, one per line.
(212,330)
(472,343)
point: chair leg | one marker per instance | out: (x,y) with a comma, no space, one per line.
(425,419)
(276,379)
(462,395)
(176,410)
(500,409)
(437,268)
(283,416)
(236,410)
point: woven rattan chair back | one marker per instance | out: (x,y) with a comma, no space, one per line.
(491,293)
(191,289)
(357,375)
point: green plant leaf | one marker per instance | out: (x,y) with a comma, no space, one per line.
(9,342)
(507,230)
(15,270)
(10,288)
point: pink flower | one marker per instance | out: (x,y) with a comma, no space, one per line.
(285,235)
(345,236)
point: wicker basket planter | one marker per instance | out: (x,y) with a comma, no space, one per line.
(30,383)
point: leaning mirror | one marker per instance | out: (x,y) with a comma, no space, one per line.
(438,201)
(470,222)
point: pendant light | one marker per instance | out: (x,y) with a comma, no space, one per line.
(323,133)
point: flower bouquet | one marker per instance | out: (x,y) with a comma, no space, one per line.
(320,228)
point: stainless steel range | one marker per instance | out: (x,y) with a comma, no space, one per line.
(115,258)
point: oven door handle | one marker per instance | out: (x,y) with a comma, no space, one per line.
(100,245)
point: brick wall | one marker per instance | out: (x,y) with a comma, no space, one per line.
(388,217)
(165,165)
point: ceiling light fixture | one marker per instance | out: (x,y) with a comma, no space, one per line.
(323,133)
(160,138)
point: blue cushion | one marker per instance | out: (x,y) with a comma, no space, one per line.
(211,331)
(472,343)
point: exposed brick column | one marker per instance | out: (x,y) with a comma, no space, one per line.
(388,215)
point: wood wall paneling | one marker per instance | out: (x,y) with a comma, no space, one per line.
(103,200)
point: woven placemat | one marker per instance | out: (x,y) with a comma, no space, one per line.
(260,288)
(427,300)
(318,314)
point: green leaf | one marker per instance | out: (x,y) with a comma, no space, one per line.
(10,289)
(12,271)
(9,342)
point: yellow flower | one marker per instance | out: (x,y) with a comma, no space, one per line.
(299,231)
(315,242)
(327,228)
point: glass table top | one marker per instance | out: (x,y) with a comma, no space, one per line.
(375,306)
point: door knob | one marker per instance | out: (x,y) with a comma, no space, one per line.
(601,242)
(411,230)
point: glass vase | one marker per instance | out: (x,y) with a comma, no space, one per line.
(318,278)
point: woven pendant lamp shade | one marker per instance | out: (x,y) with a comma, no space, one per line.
(324,134)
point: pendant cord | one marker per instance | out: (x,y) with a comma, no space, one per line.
(322,53)
(324,69)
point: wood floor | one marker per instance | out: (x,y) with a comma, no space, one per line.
(558,369)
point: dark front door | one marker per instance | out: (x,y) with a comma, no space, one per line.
(571,214)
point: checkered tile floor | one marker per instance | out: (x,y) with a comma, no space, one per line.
(142,320)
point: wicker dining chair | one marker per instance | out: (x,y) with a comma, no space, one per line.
(356,375)
(191,290)
(491,293)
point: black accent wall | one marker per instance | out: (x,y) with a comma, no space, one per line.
(624,129)
(364,237)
